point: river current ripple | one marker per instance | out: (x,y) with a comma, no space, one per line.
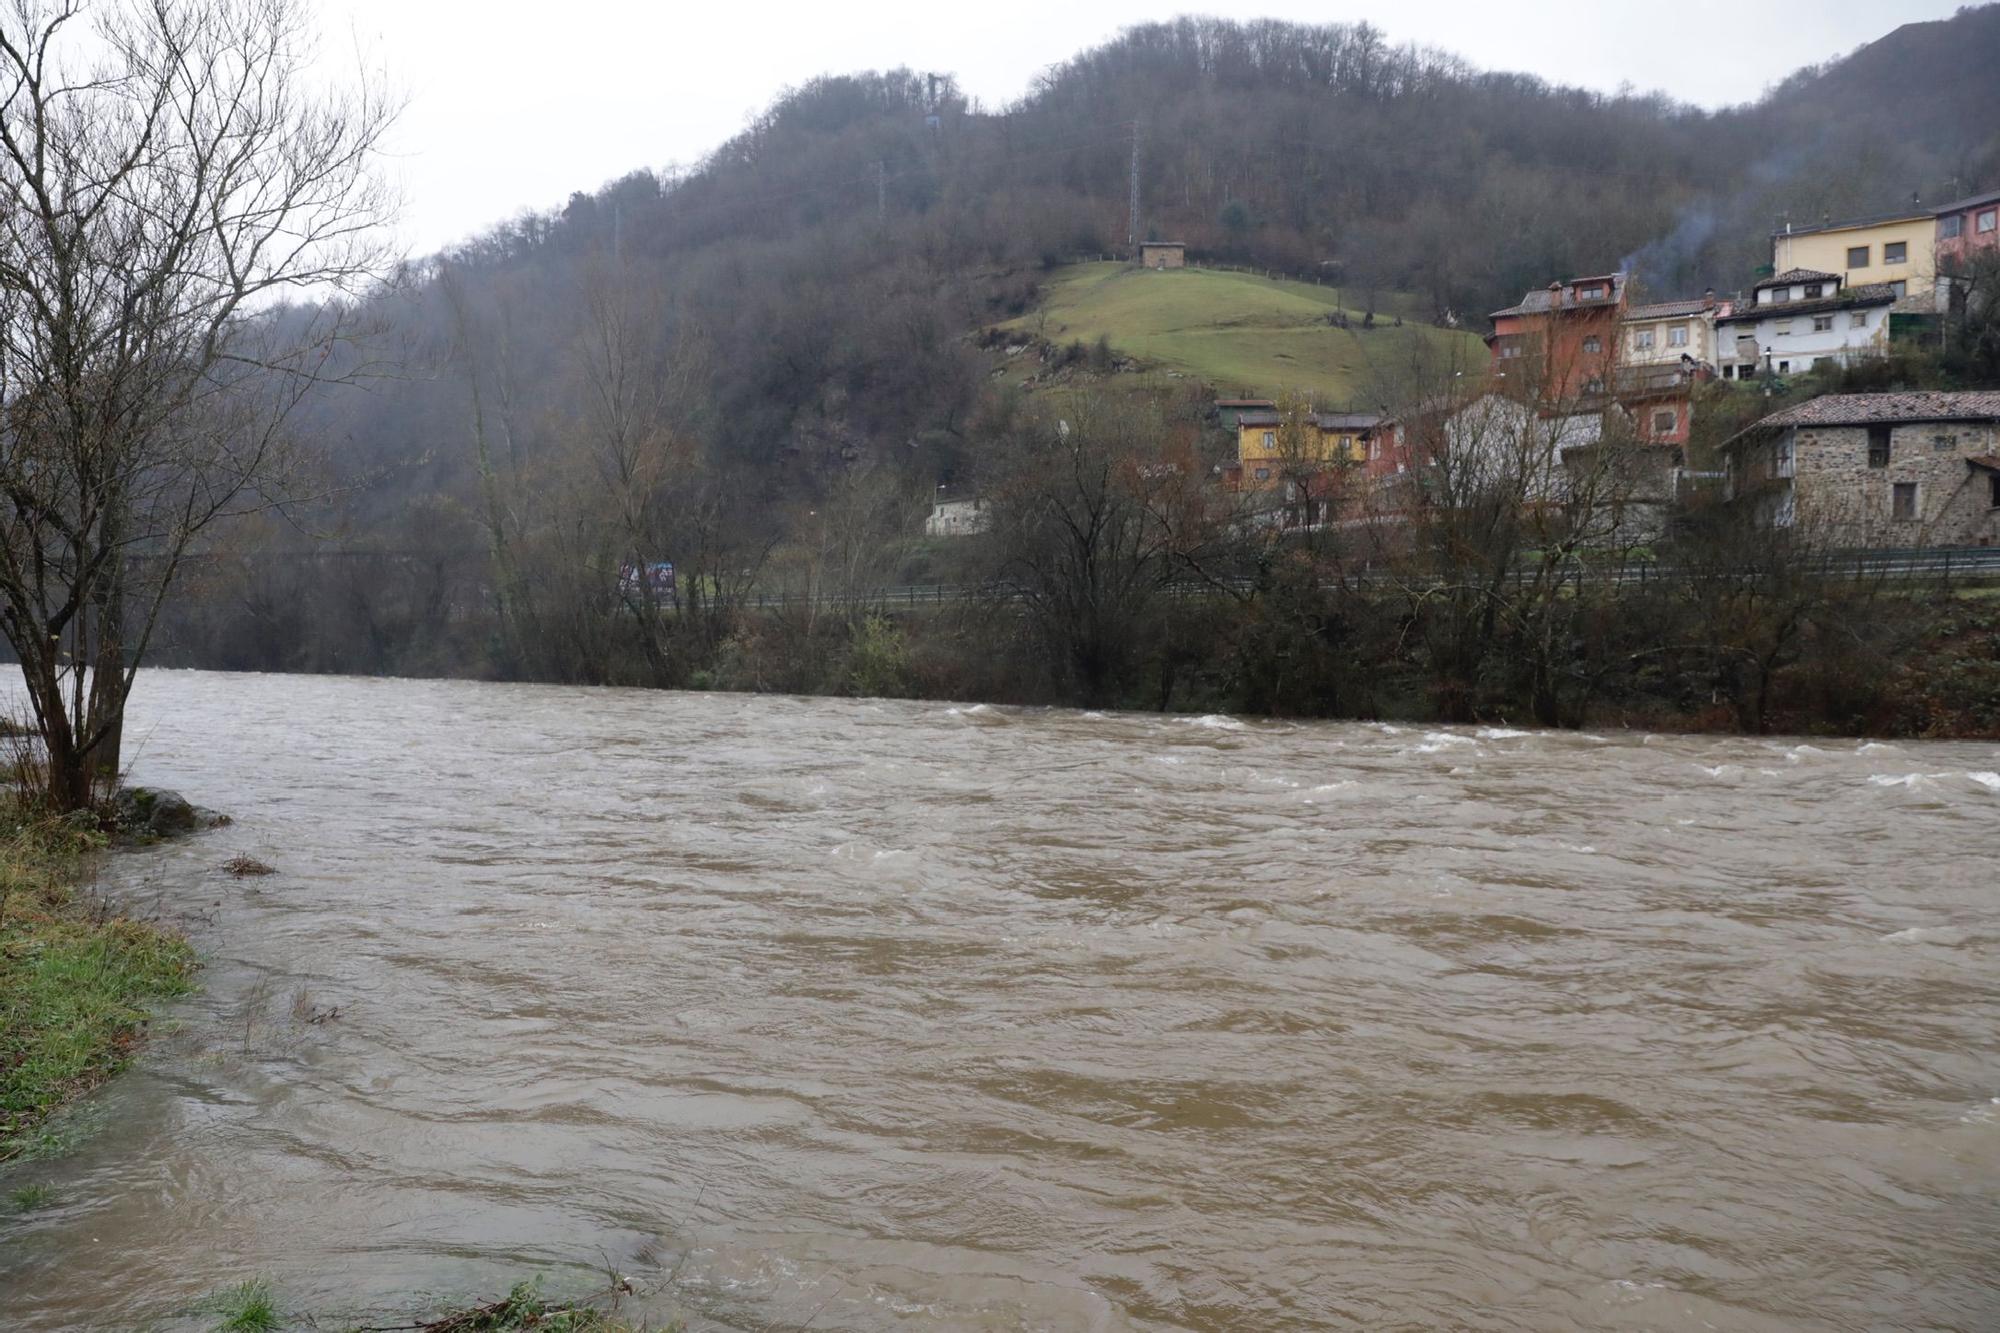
(866,1015)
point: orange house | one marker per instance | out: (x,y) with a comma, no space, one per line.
(1560,342)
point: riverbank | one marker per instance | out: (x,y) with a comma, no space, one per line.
(79,981)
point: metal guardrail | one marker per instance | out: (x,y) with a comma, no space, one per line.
(1894,564)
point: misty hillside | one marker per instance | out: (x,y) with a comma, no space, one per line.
(807,300)
(828,259)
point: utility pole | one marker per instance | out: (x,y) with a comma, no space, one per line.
(1132,239)
(881,193)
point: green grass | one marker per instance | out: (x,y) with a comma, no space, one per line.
(251,1307)
(247,1307)
(30,1197)
(77,983)
(1241,333)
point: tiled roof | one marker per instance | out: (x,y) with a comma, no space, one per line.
(1793,276)
(1348,420)
(1536,302)
(1874,293)
(1861,409)
(1245,402)
(1257,418)
(1990,462)
(1670,309)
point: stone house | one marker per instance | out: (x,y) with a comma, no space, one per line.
(1163,254)
(958,518)
(1877,469)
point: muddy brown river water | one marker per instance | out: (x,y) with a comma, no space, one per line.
(868,1015)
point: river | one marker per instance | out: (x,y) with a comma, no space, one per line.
(865,1015)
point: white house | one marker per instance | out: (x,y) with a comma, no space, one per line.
(957,518)
(1799,317)
(1497,442)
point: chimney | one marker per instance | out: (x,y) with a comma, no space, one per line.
(1708,296)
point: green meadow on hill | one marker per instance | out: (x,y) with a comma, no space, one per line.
(1240,332)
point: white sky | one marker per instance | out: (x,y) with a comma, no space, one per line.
(515,103)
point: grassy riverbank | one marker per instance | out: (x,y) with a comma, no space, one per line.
(78,981)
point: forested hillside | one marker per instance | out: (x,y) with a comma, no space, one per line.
(687,366)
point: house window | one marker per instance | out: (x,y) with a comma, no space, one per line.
(1510,350)
(1677,337)
(1995,496)
(1592,344)
(1663,421)
(1781,458)
(1780,295)
(1642,340)
(1857,256)
(1878,446)
(1949,228)
(1896,252)
(1784,367)
(1900,289)
(1858,320)
(1822,323)
(1944,443)
(1787,512)
(1589,293)
(1270,439)
(1815,289)
(1782,328)
(1263,474)
(1984,223)
(1374,451)
(1903,500)
(1595,384)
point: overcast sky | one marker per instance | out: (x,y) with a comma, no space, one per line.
(515,103)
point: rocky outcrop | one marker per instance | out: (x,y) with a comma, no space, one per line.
(149,813)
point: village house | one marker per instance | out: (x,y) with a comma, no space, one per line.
(1965,226)
(1228,410)
(1162,254)
(1877,469)
(1266,456)
(1895,249)
(1799,317)
(1562,340)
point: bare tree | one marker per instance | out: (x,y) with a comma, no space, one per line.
(166,180)
(1079,531)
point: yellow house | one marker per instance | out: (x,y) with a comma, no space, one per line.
(1896,249)
(1266,449)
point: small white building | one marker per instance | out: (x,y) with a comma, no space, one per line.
(957,518)
(1800,317)
(1669,333)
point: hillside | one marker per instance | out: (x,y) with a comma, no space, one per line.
(801,313)
(1240,332)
